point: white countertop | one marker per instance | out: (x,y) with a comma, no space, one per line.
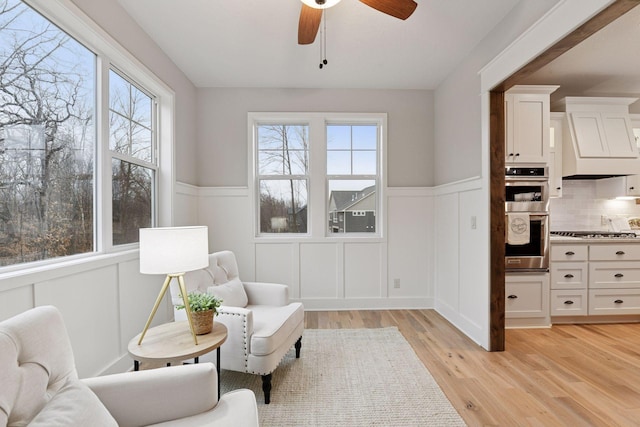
(567,239)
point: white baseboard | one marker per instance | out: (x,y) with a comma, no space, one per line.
(329,304)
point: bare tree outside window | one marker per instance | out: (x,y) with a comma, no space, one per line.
(131,141)
(283,164)
(47,138)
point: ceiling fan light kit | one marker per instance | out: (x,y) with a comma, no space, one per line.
(320,4)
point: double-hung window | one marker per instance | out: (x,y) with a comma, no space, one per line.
(317,175)
(79,137)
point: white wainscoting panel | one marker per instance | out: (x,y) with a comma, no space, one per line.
(278,263)
(410,243)
(227,213)
(363,270)
(338,273)
(185,205)
(447,254)
(88,302)
(474,267)
(320,276)
(15,301)
(137,293)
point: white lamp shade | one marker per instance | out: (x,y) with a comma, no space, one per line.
(327,4)
(172,250)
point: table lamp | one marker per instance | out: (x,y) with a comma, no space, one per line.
(173,251)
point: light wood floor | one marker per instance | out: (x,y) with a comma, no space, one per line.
(569,375)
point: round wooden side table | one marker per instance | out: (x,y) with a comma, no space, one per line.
(173,343)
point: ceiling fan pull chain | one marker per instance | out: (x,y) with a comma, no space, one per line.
(323,41)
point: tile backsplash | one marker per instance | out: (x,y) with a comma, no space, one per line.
(579,209)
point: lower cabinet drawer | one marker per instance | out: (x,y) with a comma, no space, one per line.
(614,275)
(614,301)
(569,302)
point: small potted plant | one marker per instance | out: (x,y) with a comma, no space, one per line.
(203,307)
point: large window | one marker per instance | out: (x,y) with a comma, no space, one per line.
(317,174)
(65,114)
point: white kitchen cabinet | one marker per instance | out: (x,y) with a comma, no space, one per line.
(555,154)
(614,279)
(569,279)
(527,112)
(527,300)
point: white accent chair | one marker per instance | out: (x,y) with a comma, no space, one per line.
(39,386)
(262,324)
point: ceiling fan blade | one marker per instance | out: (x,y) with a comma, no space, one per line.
(308,25)
(401,9)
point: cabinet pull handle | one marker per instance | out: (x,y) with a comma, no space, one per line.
(569,253)
(569,302)
(517,154)
(631,188)
(618,275)
(569,276)
(510,154)
(558,188)
(618,301)
(620,253)
(512,296)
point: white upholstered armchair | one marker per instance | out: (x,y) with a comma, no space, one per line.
(262,324)
(39,386)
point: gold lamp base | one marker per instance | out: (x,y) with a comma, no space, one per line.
(163,291)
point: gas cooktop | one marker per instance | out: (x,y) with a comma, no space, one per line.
(596,234)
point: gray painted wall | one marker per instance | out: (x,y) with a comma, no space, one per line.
(457,153)
(223,140)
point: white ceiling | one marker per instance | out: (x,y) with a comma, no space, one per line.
(253,43)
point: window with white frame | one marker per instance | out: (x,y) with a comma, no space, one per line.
(65,109)
(317,174)
(131,144)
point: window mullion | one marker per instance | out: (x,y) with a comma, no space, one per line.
(103,160)
(317,182)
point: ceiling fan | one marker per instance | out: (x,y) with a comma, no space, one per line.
(311,14)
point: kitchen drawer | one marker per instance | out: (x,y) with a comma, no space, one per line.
(569,275)
(614,252)
(527,296)
(569,252)
(614,301)
(614,275)
(569,302)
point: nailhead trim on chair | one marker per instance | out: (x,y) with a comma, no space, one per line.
(244,334)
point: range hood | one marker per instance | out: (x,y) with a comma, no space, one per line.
(598,140)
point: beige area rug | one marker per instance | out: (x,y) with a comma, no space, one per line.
(350,377)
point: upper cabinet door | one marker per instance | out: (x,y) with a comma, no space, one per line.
(619,135)
(527,128)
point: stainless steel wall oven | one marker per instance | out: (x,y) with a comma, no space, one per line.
(526,218)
